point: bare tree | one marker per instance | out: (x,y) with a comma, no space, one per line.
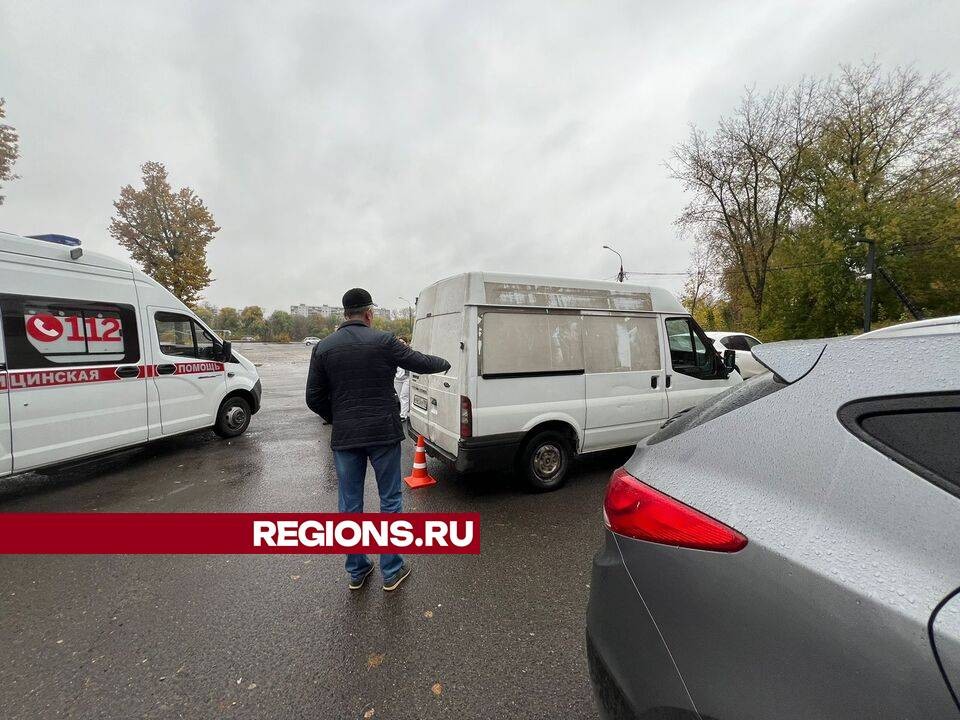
(698,281)
(743,177)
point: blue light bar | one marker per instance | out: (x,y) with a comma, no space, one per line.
(59,239)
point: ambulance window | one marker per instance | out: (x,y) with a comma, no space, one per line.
(620,344)
(54,332)
(533,343)
(175,333)
(182,336)
(206,345)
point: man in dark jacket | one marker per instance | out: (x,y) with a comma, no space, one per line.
(351,385)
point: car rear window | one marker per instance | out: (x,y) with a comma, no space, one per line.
(920,432)
(736,397)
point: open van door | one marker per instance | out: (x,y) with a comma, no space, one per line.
(6,456)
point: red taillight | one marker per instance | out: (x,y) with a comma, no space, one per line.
(636,510)
(466,417)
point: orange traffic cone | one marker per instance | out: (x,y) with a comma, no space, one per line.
(419,477)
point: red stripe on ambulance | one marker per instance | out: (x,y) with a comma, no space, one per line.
(55,377)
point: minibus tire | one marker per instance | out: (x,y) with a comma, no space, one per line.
(550,448)
(233,417)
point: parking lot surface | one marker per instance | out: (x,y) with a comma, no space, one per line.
(499,635)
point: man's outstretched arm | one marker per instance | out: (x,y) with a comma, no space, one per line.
(318,388)
(409,359)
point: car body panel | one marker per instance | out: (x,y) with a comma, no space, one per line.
(824,614)
(945,635)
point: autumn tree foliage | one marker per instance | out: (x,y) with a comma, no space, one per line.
(9,149)
(166,232)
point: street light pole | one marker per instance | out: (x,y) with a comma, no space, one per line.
(869,276)
(409,311)
(620,275)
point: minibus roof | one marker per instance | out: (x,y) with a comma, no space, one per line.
(509,290)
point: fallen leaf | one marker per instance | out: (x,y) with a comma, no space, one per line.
(294,577)
(437,689)
(428,614)
(368,714)
(374,661)
(251,686)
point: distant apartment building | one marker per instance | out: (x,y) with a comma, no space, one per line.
(302,310)
(333,311)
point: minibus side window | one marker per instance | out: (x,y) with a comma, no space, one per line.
(529,344)
(690,353)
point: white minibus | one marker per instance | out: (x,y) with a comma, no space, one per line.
(545,368)
(96,356)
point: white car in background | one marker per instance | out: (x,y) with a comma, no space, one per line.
(741,344)
(310,341)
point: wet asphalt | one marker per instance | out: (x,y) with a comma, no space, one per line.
(499,635)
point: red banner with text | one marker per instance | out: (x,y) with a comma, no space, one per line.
(238,533)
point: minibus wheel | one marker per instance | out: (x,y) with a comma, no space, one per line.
(545,460)
(233,417)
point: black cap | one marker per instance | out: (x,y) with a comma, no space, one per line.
(356,298)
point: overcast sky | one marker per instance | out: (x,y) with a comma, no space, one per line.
(391,144)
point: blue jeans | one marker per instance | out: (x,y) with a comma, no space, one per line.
(351,470)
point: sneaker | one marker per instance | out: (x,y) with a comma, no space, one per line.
(357,583)
(394,582)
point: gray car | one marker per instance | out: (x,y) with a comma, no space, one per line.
(791,548)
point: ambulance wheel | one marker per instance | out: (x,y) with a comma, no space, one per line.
(545,460)
(232,418)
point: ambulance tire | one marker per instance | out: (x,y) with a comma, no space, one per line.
(233,417)
(545,460)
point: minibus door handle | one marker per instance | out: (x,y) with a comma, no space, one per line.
(667,383)
(653,381)
(128,371)
(166,369)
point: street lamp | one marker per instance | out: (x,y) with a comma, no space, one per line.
(620,275)
(409,310)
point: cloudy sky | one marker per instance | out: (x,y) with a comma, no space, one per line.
(390,144)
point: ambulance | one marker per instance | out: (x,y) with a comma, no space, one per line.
(96,356)
(544,369)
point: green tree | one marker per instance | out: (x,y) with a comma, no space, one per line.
(229,320)
(166,232)
(252,322)
(280,326)
(9,148)
(208,313)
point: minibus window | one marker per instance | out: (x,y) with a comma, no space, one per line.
(690,353)
(531,343)
(620,343)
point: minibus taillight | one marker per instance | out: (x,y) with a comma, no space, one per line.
(636,510)
(466,417)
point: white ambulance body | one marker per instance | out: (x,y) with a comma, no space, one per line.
(546,368)
(96,356)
